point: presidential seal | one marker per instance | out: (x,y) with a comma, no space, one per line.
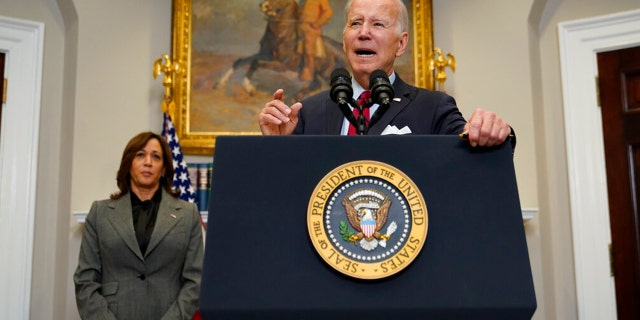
(367,219)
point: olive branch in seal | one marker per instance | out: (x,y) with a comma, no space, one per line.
(345,232)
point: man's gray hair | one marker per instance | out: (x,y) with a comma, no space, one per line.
(403,15)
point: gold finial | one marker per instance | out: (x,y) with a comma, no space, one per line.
(438,62)
(169,68)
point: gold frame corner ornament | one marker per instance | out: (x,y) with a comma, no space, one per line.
(203,143)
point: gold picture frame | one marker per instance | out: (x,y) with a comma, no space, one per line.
(190,16)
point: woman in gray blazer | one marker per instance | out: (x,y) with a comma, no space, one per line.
(141,252)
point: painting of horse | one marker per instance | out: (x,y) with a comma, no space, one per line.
(242,51)
(280,49)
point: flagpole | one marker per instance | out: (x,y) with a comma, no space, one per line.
(181,180)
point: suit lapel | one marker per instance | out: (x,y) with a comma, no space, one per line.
(165,221)
(402,91)
(122,221)
(334,117)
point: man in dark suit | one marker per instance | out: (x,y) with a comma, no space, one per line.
(376,34)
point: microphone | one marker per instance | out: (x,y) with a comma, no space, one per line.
(342,92)
(381,93)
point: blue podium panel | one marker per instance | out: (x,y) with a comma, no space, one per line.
(261,264)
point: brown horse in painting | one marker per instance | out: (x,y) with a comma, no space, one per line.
(279,50)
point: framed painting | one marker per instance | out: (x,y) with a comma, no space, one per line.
(231,62)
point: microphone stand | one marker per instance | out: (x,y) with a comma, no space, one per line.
(359,123)
(362,128)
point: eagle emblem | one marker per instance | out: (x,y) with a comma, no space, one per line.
(367,212)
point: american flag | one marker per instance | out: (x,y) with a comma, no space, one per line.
(181,179)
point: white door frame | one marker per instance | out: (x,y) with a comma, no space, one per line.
(23,42)
(580,41)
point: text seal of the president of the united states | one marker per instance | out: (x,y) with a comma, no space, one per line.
(367,219)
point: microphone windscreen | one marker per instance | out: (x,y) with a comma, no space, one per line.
(339,73)
(380,86)
(341,89)
(378,74)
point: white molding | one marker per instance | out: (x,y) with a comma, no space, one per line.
(580,41)
(529,213)
(80,216)
(23,43)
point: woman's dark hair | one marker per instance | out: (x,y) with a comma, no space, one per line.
(136,144)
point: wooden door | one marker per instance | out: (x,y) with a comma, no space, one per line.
(619,78)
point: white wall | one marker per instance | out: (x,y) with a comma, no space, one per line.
(116,94)
(116,97)
(98,91)
(492,70)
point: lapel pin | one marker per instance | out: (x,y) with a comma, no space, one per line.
(396,99)
(173,215)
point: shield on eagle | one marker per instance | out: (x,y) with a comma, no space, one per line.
(367,210)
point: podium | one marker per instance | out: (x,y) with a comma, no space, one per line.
(260,262)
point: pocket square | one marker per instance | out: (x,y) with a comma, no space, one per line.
(394,130)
